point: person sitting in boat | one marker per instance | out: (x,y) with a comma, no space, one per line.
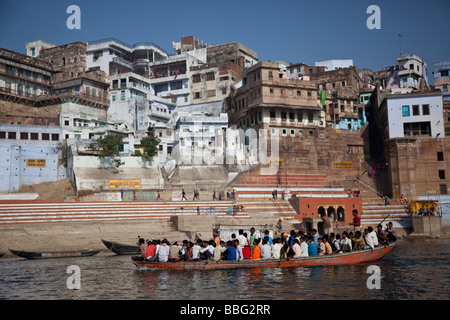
(346,243)
(266,250)
(143,250)
(219,250)
(256,250)
(328,249)
(358,241)
(242,239)
(230,252)
(391,233)
(312,247)
(151,251)
(175,252)
(188,251)
(370,236)
(164,250)
(381,235)
(239,253)
(304,246)
(269,238)
(315,236)
(207,252)
(196,250)
(286,252)
(321,247)
(297,249)
(276,249)
(335,247)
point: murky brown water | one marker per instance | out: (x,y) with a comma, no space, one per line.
(415,269)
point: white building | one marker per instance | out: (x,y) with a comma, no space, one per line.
(29,154)
(415,114)
(407,72)
(334,64)
(114,56)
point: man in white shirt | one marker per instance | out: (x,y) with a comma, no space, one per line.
(371,238)
(239,253)
(304,247)
(276,249)
(266,250)
(242,239)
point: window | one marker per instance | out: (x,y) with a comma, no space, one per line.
(24,136)
(113,97)
(211,93)
(440,156)
(210,76)
(55,136)
(291,117)
(445,88)
(300,116)
(309,93)
(2,135)
(45,136)
(196,78)
(272,115)
(122,95)
(224,90)
(441,174)
(443,188)
(411,66)
(284,132)
(292,133)
(416,111)
(12,135)
(405,111)
(270,74)
(34,136)
(444,73)
(343,83)
(299,93)
(197,95)
(417,128)
(271,90)
(426,109)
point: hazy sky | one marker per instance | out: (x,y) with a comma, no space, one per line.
(290,30)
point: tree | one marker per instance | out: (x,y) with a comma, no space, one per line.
(109,146)
(150,147)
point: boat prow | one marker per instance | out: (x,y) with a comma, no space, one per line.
(337,259)
(120,248)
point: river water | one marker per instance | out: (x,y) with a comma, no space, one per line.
(414,269)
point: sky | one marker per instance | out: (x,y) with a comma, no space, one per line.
(289,30)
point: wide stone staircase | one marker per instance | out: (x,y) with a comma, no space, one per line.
(375,212)
(14,212)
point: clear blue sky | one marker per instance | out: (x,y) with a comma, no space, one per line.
(290,30)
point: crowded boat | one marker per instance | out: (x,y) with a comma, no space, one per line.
(296,244)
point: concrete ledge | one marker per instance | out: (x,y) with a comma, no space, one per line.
(19,196)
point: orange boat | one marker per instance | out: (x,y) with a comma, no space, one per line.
(325,260)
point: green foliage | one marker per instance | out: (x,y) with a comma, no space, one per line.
(150,147)
(109,146)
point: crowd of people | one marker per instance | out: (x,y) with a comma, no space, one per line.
(249,246)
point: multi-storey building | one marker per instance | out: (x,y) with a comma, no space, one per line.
(442,81)
(414,145)
(341,89)
(268,100)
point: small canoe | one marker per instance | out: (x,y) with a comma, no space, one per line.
(60,254)
(121,249)
(325,260)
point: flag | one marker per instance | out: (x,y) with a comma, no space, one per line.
(323,99)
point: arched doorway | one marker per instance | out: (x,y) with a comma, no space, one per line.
(321,211)
(341,213)
(331,211)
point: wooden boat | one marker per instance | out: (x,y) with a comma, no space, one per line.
(121,249)
(325,260)
(61,254)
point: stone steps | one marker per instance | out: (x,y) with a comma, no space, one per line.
(39,212)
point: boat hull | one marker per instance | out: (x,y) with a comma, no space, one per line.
(121,249)
(47,255)
(326,260)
